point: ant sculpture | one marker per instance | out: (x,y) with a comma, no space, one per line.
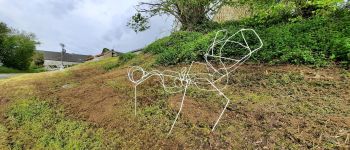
(215,75)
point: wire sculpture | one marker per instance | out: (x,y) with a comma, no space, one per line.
(215,74)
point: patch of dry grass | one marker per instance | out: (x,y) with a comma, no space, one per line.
(272,106)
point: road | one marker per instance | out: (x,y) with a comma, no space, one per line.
(4,76)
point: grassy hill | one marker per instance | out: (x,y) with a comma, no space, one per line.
(91,106)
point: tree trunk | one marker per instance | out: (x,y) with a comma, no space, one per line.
(192,17)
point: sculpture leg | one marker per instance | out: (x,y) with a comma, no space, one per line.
(135,98)
(228,101)
(178,113)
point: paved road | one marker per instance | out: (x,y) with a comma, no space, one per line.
(4,76)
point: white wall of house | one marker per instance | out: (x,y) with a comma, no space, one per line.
(52,64)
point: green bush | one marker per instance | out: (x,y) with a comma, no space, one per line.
(318,41)
(126,57)
(123,58)
(16,48)
(175,41)
(176,48)
(277,13)
(38,60)
(341,52)
(16,51)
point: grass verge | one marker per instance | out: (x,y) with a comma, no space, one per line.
(4,69)
(9,70)
(35,124)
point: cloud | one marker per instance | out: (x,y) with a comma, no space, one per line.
(61,7)
(85,26)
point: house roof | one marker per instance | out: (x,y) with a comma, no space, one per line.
(67,57)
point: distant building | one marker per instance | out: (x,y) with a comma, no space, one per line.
(113,53)
(52,60)
(110,53)
(107,54)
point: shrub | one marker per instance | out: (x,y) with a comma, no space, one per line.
(16,51)
(318,41)
(122,59)
(4,29)
(126,57)
(341,52)
(38,59)
(315,41)
(275,14)
(175,41)
(176,48)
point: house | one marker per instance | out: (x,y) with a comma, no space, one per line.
(106,54)
(53,61)
(113,53)
(109,53)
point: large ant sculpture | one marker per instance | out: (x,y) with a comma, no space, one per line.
(208,81)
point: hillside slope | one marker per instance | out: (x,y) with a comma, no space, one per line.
(272,107)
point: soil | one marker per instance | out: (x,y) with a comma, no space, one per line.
(294,107)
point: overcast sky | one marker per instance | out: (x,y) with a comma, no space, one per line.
(84,26)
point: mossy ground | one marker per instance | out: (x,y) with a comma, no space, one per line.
(272,107)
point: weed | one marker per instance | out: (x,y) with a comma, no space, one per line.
(300,42)
(122,59)
(126,57)
(35,124)
(4,135)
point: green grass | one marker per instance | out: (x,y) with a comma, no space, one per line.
(9,70)
(35,124)
(299,42)
(35,70)
(4,69)
(3,137)
(266,104)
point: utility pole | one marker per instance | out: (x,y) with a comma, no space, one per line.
(62,54)
(113,53)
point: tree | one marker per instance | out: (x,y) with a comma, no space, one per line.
(189,13)
(16,50)
(4,29)
(105,50)
(138,23)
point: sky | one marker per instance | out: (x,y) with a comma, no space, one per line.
(84,26)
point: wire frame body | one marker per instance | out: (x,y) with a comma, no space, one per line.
(214,78)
